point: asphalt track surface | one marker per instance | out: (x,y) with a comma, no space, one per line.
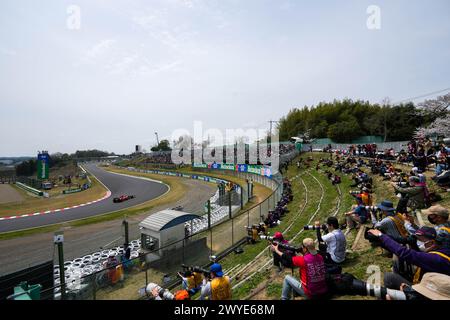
(23,252)
(144,190)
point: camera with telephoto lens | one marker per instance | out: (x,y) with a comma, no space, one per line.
(362,288)
(163,293)
(402,184)
(372,238)
(347,284)
(188,270)
(281,246)
(311,227)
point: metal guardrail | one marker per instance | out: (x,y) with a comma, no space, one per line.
(196,249)
(29,189)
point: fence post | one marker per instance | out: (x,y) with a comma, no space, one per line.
(146,276)
(229,204)
(232,231)
(248,217)
(58,239)
(211,233)
(242,198)
(209,213)
(94,286)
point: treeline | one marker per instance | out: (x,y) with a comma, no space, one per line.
(91,154)
(343,121)
(29,167)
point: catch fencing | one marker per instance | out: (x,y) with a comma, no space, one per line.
(108,275)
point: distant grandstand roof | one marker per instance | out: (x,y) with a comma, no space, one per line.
(166,219)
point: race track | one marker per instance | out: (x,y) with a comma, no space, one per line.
(144,190)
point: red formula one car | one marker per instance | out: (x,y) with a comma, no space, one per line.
(123,198)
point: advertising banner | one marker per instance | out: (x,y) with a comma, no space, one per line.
(226,166)
(242,168)
(200,165)
(215,166)
(43,166)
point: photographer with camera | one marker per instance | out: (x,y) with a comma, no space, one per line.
(278,237)
(358,215)
(433,257)
(393,224)
(158,293)
(312,284)
(334,241)
(191,278)
(434,286)
(412,196)
(219,287)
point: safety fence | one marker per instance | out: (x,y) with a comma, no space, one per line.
(108,275)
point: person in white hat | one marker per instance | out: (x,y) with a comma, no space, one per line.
(434,286)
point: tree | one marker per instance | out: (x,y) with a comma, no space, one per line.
(440,128)
(343,119)
(26,168)
(435,108)
(164,145)
(344,131)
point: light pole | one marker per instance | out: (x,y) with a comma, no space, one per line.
(157,140)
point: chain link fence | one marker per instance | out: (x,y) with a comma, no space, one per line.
(107,274)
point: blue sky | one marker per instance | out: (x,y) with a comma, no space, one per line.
(137,67)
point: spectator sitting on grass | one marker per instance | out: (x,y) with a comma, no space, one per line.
(438,216)
(433,257)
(312,284)
(357,215)
(415,193)
(393,224)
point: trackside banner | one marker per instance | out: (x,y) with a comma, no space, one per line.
(255,169)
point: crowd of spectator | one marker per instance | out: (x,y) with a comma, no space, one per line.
(420,253)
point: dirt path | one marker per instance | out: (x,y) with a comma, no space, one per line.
(8,194)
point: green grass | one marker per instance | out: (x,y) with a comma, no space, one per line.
(357,262)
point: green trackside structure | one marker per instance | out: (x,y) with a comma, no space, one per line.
(43,165)
(26,292)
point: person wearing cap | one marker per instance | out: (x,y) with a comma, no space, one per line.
(432,257)
(334,239)
(392,224)
(219,288)
(415,193)
(312,284)
(438,216)
(278,237)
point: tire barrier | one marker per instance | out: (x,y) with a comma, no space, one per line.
(79,271)
(218,214)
